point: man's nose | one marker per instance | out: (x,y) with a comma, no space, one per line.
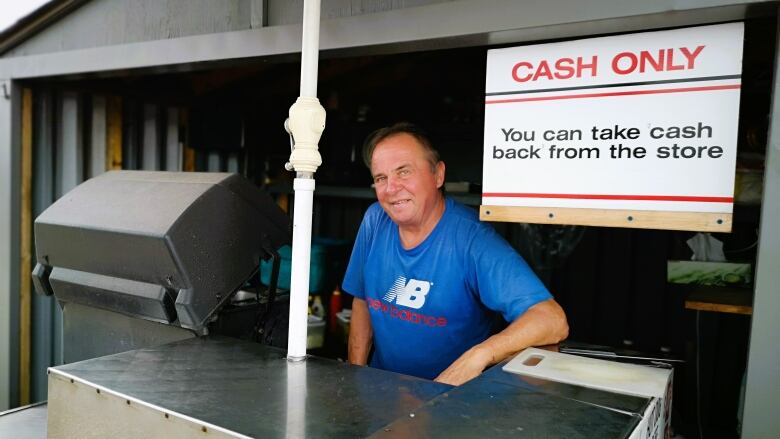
(392,185)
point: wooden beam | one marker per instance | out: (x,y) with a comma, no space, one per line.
(114,133)
(25,290)
(718,307)
(720,299)
(637,219)
(189,159)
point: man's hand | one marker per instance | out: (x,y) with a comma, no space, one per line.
(467,366)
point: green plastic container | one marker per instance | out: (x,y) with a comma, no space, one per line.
(325,253)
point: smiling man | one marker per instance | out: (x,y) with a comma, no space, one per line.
(427,276)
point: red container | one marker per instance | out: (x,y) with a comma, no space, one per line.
(333,308)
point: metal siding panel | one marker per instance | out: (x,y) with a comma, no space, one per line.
(10,124)
(104,23)
(70,172)
(43,155)
(70,152)
(130,135)
(282,12)
(415,3)
(232,162)
(762,390)
(150,155)
(43,307)
(14,242)
(214,163)
(259,13)
(97,147)
(57,333)
(437,26)
(173,147)
(6,219)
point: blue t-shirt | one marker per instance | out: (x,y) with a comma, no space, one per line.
(431,303)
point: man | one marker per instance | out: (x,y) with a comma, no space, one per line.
(427,275)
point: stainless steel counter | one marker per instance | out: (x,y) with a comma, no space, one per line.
(28,422)
(224,387)
(498,404)
(242,387)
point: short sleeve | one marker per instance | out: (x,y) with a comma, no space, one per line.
(354,278)
(505,282)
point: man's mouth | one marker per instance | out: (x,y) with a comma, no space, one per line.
(399,202)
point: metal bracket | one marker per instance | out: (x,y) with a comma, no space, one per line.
(305,125)
(288,166)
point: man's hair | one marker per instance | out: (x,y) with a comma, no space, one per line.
(432,155)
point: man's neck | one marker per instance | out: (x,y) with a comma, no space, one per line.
(412,236)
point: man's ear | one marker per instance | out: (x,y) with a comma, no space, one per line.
(440,168)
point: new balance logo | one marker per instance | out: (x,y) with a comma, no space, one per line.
(411,294)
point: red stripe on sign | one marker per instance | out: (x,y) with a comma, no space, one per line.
(613,197)
(617,93)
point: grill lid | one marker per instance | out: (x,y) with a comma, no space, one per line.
(163,246)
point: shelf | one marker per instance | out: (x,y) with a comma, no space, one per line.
(721,299)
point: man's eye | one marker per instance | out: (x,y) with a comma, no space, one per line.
(404,172)
(379,179)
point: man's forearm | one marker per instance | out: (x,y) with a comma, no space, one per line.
(360,333)
(543,323)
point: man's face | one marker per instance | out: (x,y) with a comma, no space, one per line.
(406,187)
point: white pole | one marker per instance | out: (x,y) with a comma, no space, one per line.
(306,123)
(301,256)
(310,48)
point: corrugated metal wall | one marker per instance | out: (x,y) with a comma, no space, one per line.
(72,141)
(101,22)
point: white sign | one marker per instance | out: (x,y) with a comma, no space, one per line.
(638,122)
